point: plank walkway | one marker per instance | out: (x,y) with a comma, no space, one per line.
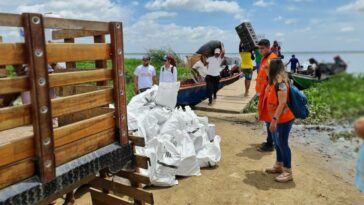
(230,99)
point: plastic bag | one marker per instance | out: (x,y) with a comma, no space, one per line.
(167,94)
(210,154)
(188,165)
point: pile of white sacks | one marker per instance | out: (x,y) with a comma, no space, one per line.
(178,142)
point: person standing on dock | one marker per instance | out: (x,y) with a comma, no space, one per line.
(294,64)
(247,58)
(359,178)
(168,72)
(213,72)
(144,76)
(261,84)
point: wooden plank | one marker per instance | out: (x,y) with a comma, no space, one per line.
(136,193)
(14,84)
(3,72)
(84,146)
(14,53)
(70,65)
(15,20)
(141,161)
(70,104)
(11,117)
(16,172)
(134,176)
(100,63)
(68,34)
(78,77)
(73,132)
(16,144)
(117,46)
(137,141)
(41,111)
(100,198)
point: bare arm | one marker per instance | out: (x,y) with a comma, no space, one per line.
(222,51)
(155,80)
(135,84)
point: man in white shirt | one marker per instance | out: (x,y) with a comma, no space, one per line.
(168,72)
(144,76)
(200,66)
(213,72)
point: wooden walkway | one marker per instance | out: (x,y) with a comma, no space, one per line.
(230,99)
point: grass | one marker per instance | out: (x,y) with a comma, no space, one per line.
(130,65)
(346,135)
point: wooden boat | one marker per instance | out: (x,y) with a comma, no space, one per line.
(305,81)
(192,93)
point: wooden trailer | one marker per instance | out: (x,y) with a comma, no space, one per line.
(40,162)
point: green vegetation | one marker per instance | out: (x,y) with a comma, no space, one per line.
(252,105)
(346,135)
(340,98)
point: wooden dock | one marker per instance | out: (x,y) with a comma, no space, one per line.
(230,99)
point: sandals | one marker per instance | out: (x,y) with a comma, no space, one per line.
(276,169)
(286,176)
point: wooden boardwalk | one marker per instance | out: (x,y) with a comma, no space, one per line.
(230,99)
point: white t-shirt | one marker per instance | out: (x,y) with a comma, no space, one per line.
(167,76)
(145,76)
(214,66)
(201,68)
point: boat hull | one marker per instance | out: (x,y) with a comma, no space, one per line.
(195,93)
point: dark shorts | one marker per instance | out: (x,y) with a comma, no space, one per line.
(248,74)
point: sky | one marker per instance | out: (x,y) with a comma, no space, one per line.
(184,25)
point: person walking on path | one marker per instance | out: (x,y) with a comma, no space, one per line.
(258,58)
(247,58)
(144,76)
(168,72)
(213,72)
(359,178)
(294,64)
(275,111)
(262,82)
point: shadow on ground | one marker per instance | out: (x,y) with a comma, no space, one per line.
(252,153)
(263,181)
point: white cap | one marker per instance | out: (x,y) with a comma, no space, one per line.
(217,51)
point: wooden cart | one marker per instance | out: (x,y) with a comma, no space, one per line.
(39,162)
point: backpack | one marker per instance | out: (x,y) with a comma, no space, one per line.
(298,102)
(172,69)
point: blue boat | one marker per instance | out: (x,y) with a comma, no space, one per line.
(191,93)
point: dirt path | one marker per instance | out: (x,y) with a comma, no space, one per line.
(239,178)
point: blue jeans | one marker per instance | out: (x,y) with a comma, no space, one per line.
(280,138)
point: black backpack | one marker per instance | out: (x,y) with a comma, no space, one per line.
(171,69)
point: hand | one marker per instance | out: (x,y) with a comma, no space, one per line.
(273,126)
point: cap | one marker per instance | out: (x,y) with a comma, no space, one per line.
(217,51)
(146,57)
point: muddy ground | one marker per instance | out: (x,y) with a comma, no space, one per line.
(239,178)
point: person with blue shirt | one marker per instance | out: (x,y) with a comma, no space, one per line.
(294,64)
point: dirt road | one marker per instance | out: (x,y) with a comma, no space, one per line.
(239,178)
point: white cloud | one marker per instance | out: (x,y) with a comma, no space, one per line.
(105,10)
(135,3)
(291,8)
(347,29)
(262,3)
(231,7)
(280,34)
(285,20)
(356,5)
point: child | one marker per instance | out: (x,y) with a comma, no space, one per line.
(359,179)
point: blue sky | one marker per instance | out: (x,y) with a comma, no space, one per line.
(183,25)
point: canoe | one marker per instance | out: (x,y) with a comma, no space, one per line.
(191,93)
(305,81)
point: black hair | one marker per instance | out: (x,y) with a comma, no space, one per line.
(264,42)
(293,56)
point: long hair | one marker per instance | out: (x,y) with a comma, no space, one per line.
(276,71)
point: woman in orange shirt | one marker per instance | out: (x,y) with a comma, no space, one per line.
(275,111)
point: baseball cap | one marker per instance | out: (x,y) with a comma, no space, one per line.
(146,57)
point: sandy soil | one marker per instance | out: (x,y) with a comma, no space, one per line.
(239,178)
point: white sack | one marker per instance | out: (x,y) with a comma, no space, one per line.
(210,154)
(188,165)
(167,94)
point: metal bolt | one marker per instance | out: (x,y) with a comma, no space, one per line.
(48,163)
(35,19)
(41,81)
(44,109)
(120,51)
(117,26)
(38,52)
(121,93)
(46,141)
(121,74)
(123,134)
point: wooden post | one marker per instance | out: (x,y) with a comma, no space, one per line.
(2,67)
(117,57)
(100,63)
(70,64)
(40,101)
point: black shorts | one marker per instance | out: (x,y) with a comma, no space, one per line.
(248,74)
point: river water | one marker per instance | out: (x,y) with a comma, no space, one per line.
(353,59)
